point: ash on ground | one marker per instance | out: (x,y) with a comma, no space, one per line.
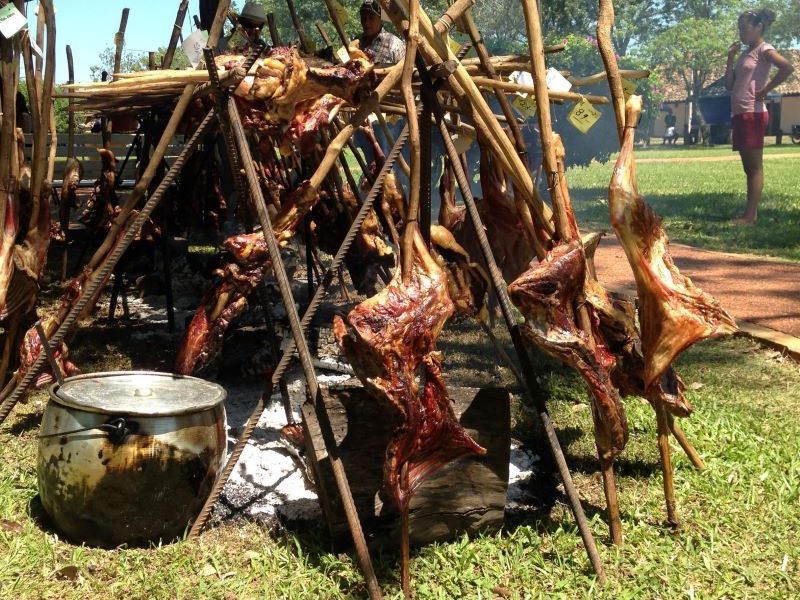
(269,483)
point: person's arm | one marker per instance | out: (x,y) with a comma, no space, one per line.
(785,69)
(730,76)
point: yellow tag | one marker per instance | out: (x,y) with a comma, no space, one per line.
(583,116)
(526,105)
(454,45)
(392,119)
(628,87)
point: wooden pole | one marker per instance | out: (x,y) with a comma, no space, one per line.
(119,39)
(486,63)
(273,30)
(219,22)
(323,34)
(305,43)
(666,461)
(605,21)
(337,23)
(412,215)
(684,442)
(565,226)
(71,116)
(510,86)
(166,62)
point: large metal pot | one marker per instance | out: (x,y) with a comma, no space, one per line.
(129,457)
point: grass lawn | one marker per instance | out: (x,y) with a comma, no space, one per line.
(741,516)
(698,199)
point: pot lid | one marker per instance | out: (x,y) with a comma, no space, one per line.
(140,393)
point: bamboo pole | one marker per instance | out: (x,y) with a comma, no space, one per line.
(603,76)
(166,62)
(453,13)
(119,39)
(323,34)
(38,170)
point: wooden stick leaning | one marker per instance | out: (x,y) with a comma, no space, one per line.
(510,86)
(562,219)
(166,62)
(337,23)
(483,119)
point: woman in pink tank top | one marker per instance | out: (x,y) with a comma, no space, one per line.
(747,81)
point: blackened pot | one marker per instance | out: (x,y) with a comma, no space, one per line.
(129,457)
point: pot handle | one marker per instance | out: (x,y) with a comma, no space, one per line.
(117,428)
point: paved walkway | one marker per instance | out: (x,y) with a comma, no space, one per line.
(759,290)
(732,156)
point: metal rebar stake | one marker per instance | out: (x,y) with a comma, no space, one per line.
(359,541)
(533,390)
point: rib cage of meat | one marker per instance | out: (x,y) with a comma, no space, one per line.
(673,313)
(390,340)
(545,294)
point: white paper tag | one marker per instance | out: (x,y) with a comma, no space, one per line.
(521,78)
(372,118)
(193,46)
(11,20)
(556,82)
(35,47)
(343,55)
(462,142)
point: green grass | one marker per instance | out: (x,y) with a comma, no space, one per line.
(698,200)
(741,516)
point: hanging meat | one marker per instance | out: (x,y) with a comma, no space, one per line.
(390,339)
(99,208)
(546,295)
(673,313)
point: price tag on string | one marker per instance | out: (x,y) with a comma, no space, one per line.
(525,105)
(556,82)
(628,87)
(193,46)
(583,115)
(35,47)
(372,118)
(11,20)
(343,55)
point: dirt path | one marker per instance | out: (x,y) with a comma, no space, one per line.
(761,290)
(732,156)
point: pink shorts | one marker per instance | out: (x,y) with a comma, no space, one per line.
(749,130)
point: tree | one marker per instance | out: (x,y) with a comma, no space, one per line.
(692,50)
(134,61)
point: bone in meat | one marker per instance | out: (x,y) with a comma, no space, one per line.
(390,342)
(674,314)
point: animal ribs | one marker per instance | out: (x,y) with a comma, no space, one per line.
(546,294)
(391,344)
(673,313)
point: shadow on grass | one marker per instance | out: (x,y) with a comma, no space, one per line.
(706,220)
(25,424)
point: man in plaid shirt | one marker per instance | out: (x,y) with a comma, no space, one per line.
(386,49)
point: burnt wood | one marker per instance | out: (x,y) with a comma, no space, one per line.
(466,496)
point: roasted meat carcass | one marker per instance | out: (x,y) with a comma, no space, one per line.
(673,313)
(546,294)
(237,280)
(617,324)
(451,217)
(99,209)
(390,339)
(68,198)
(467,281)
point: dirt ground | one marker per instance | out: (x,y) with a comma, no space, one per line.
(760,290)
